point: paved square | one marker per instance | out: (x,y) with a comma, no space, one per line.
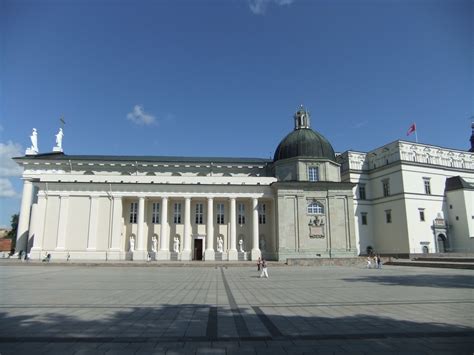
(78,309)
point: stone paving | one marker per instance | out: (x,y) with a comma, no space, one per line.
(77,309)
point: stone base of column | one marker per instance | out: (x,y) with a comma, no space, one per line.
(186,255)
(209,255)
(140,255)
(255,254)
(114,255)
(37,254)
(163,255)
(233,255)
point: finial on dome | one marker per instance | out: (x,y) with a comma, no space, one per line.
(302,118)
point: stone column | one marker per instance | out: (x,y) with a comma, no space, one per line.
(186,253)
(233,241)
(93,220)
(24,219)
(210,253)
(164,252)
(255,248)
(141,252)
(37,227)
(62,224)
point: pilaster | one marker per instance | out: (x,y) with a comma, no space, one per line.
(93,219)
(24,219)
(62,223)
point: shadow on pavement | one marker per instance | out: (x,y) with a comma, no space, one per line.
(422,280)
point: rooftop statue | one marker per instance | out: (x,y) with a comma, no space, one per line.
(34,143)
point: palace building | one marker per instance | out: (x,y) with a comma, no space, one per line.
(306,202)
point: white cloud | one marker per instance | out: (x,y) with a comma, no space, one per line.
(259,7)
(7,166)
(140,117)
(6,188)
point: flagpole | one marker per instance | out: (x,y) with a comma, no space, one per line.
(416,134)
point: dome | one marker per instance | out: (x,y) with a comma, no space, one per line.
(304,142)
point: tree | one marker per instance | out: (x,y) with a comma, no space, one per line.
(12,233)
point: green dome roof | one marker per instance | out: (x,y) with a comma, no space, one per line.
(304,142)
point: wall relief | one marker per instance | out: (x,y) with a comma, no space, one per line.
(316,227)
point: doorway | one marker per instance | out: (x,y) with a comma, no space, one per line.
(441,243)
(197,249)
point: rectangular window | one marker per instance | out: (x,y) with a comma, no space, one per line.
(155,216)
(133,212)
(362,191)
(422,214)
(426,182)
(363,216)
(199,213)
(177,213)
(386,188)
(313,173)
(262,218)
(241,215)
(220,213)
(388,216)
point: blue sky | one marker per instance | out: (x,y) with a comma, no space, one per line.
(224,77)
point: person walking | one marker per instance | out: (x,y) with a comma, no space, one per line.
(379,262)
(264,269)
(259,263)
(369,263)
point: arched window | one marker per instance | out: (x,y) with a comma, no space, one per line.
(315,208)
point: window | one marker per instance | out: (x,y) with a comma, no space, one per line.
(133,212)
(155,215)
(363,216)
(241,215)
(422,214)
(220,213)
(362,191)
(388,216)
(199,213)
(386,188)
(313,173)
(315,208)
(262,219)
(177,213)
(426,182)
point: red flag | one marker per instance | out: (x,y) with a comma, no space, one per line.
(411,129)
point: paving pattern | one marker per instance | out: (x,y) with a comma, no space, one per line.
(78,309)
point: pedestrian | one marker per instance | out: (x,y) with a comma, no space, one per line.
(264,269)
(259,263)
(375,262)
(379,262)
(369,263)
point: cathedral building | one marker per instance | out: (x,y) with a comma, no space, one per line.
(306,202)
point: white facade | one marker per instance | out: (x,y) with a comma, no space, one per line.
(401,198)
(415,182)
